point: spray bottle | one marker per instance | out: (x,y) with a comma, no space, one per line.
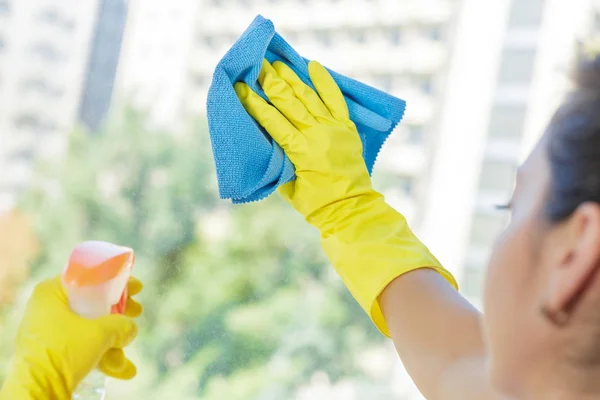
(95,280)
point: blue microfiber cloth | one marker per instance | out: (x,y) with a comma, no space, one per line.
(249,164)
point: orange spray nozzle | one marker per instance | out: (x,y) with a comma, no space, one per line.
(95,263)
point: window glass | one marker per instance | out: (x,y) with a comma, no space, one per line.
(104,135)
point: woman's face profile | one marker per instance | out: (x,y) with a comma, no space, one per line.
(515,279)
(538,271)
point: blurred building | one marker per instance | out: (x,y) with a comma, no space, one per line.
(55,59)
(398,46)
(155,60)
(481,80)
(509,70)
(102,63)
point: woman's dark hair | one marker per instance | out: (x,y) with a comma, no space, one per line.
(574,144)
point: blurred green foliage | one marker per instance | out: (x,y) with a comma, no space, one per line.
(239,301)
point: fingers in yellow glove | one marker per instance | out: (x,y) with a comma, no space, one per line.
(301,91)
(133,309)
(119,330)
(276,125)
(123,330)
(116,365)
(134,286)
(282,131)
(281,95)
(295,106)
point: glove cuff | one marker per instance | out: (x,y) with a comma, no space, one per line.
(371,248)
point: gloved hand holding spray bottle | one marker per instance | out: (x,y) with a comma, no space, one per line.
(95,279)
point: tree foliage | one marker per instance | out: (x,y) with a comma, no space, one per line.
(239,301)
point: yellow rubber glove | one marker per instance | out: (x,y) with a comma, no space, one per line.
(368,242)
(55,348)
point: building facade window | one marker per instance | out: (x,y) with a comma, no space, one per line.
(406,184)
(5,6)
(433,33)
(517,66)
(526,13)
(357,35)
(47,51)
(426,84)
(209,41)
(324,37)
(394,35)
(415,134)
(49,15)
(422,83)
(53,17)
(485,228)
(200,80)
(35,122)
(41,85)
(384,82)
(497,176)
(22,155)
(596,26)
(507,121)
(472,280)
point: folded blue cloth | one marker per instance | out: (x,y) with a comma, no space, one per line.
(249,164)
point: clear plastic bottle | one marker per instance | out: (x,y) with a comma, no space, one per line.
(93,387)
(95,280)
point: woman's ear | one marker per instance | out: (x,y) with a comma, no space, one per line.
(571,277)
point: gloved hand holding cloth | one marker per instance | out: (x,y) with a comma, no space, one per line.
(368,242)
(55,348)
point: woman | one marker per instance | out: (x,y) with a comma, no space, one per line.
(540,335)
